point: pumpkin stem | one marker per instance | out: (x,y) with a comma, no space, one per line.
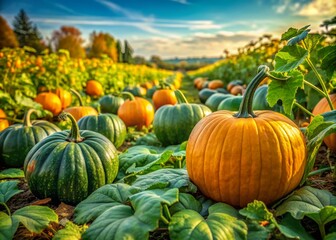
(26,118)
(128,95)
(74,135)
(180,97)
(78,96)
(245,109)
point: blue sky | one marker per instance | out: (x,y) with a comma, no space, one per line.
(175,28)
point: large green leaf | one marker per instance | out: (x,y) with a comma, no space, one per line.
(189,224)
(186,201)
(289,58)
(8,189)
(305,201)
(70,232)
(122,222)
(324,216)
(285,90)
(35,218)
(11,173)
(162,178)
(224,208)
(257,210)
(293,32)
(293,229)
(101,200)
(8,226)
(328,56)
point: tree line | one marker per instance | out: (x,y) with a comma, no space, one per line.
(26,34)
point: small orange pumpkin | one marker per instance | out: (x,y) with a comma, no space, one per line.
(321,107)
(94,88)
(214,84)
(163,97)
(3,122)
(80,111)
(49,101)
(65,97)
(136,111)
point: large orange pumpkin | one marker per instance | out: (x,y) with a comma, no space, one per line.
(136,111)
(3,122)
(49,101)
(237,158)
(94,88)
(80,111)
(321,107)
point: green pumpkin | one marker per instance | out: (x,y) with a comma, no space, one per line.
(231,103)
(136,91)
(110,125)
(18,139)
(205,93)
(215,99)
(110,104)
(69,165)
(150,92)
(260,101)
(173,124)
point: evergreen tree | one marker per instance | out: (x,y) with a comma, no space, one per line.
(26,33)
(7,36)
(128,53)
(119,51)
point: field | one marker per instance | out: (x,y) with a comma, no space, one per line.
(240,149)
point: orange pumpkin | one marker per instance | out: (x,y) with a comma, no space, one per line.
(94,88)
(80,111)
(321,107)
(214,84)
(64,96)
(238,158)
(163,97)
(3,122)
(136,111)
(50,102)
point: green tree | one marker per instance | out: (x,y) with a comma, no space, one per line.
(26,33)
(128,53)
(103,43)
(7,36)
(119,51)
(69,38)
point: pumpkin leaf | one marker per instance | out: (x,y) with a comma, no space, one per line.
(256,231)
(70,232)
(306,200)
(149,139)
(189,224)
(122,222)
(101,200)
(162,178)
(258,211)
(292,228)
(206,204)
(149,163)
(289,58)
(11,173)
(8,189)
(293,32)
(186,201)
(328,56)
(285,90)
(298,38)
(224,208)
(330,236)
(8,226)
(324,216)
(35,218)
(321,127)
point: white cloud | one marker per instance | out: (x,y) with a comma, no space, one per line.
(185,2)
(319,8)
(69,10)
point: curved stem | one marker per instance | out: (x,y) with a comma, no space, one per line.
(166,212)
(78,96)
(245,109)
(303,108)
(7,208)
(324,88)
(180,97)
(320,171)
(26,118)
(74,135)
(315,88)
(128,95)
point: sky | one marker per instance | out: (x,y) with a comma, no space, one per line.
(175,28)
